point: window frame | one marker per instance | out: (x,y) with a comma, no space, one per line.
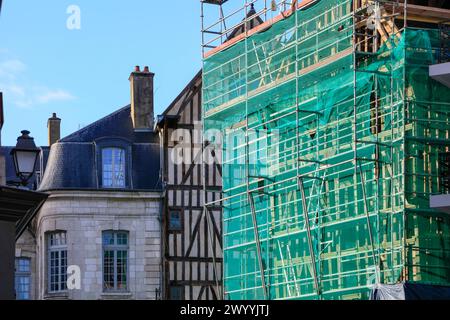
(377,117)
(169,225)
(113,166)
(444,172)
(181,289)
(62,274)
(18,274)
(115,247)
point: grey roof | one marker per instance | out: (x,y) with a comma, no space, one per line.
(73,162)
(117,124)
(9,165)
(70,166)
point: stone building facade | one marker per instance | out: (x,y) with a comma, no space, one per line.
(98,235)
(26,252)
(110,207)
(85,216)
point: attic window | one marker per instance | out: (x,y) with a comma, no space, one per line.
(113,168)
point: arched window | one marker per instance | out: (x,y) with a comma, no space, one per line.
(113,168)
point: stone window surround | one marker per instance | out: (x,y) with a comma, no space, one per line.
(22,273)
(47,234)
(115,247)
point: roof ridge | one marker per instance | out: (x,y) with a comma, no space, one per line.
(94,123)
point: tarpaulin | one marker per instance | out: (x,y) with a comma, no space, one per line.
(410,291)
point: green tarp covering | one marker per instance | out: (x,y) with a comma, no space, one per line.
(362,142)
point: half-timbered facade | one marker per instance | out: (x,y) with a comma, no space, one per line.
(192,236)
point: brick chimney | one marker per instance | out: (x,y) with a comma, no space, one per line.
(54,129)
(142,99)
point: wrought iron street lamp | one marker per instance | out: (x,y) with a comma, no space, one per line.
(18,207)
(25,155)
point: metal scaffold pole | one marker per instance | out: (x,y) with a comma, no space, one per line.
(247,170)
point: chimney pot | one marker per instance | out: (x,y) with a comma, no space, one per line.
(142,112)
(137,69)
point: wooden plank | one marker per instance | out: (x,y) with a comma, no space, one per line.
(326,61)
(418,18)
(429,12)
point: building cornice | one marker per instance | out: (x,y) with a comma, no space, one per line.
(105,194)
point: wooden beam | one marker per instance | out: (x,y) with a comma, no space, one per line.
(429,12)
(419,18)
(193,259)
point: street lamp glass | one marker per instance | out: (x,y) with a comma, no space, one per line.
(25,162)
(25,156)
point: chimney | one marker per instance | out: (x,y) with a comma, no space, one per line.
(142,99)
(54,129)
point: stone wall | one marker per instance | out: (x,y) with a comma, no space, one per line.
(84,215)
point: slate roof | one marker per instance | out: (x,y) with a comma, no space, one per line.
(70,166)
(73,161)
(116,124)
(9,165)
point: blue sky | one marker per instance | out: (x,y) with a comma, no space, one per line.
(82,75)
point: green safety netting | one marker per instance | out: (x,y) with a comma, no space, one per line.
(361,142)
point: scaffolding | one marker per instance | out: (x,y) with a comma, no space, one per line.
(225,17)
(331,142)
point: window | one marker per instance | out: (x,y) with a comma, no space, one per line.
(376,116)
(23,279)
(113,162)
(175,220)
(444,172)
(176,293)
(57,261)
(115,260)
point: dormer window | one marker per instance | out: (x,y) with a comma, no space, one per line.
(113,168)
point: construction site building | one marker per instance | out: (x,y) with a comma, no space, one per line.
(333,137)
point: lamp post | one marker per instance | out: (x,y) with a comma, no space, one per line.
(25,155)
(18,207)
